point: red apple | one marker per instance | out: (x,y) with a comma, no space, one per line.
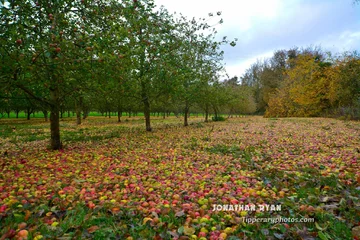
(91,205)
(10,234)
(22,225)
(23,234)
(202,234)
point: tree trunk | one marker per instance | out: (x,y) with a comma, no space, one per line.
(78,117)
(54,119)
(85,114)
(215,112)
(78,106)
(147,113)
(45,112)
(206,113)
(186,114)
(28,114)
(119,115)
(17,114)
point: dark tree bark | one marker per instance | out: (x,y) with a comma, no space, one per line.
(186,115)
(119,115)
(45,112)
(28,113)
(206,113)
(147,113)
(78,117)
(55,118)
(78,110)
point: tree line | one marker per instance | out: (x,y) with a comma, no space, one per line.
(306,83)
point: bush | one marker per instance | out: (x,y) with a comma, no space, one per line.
(218,119)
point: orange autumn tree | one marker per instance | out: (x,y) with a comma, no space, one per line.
(304,92)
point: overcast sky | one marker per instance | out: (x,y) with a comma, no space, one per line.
(263,26)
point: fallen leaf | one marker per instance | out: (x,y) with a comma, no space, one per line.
(92,229)
(355,231)
(189,230)
(180,214)
(27,215)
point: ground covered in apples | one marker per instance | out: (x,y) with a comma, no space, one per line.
(117,181)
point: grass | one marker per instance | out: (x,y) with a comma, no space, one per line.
(23,115)
(117,181)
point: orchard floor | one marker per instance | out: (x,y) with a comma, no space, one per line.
(116,181)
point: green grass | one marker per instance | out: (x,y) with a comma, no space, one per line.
(23,115)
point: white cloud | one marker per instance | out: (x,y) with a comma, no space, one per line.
(240,14)
(345,41)
(237,68)
(263,26)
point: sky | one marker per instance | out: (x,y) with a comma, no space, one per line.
(264,26)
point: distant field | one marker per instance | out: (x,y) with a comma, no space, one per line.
(116,181)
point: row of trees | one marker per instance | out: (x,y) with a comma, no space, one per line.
(306,82)
(108,55)
(225,97)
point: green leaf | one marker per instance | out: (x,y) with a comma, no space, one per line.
(322,236)
(18,216)
(282,228)
(320,228)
